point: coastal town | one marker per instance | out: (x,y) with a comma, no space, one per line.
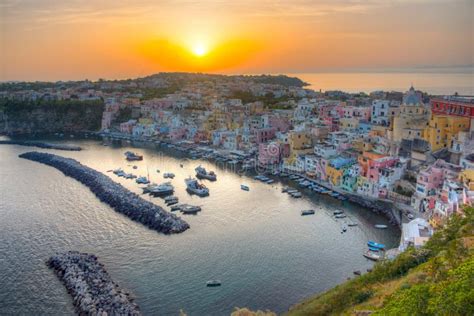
(409,149)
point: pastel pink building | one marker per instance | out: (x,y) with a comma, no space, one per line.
(263,135)
(278,123)
(432,178)
(272,153)
(377,164)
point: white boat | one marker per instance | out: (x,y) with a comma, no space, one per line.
(380,226)
(244,187)
(338,212)
(159,189)
(296,194)
(201,173)
(372,255)
(194,187)
(142,180)
(189,209)
(213,283)
(340,216)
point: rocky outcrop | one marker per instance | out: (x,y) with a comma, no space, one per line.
(92,289)
(118,197)
(41,145)
(27,117)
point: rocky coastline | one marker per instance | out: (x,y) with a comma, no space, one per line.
(92,289)
(41,145)
(118,197)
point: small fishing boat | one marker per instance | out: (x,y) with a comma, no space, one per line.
(374,249)
(131,156)
(142,180)
(189,209)
(338,212)
(285,189)
(296,194)
(371,243)
(159,189)
(201,173)
(244,187)
(194,187)
(168,175)
(307,212)
(172,202)
(213,283)
(372,255)
(352,224)
(340,216)
(380,226)
(269,181)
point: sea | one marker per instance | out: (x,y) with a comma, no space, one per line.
(265,253)
(434,81)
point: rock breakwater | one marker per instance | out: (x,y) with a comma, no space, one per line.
(118,197)
(92,289)
(40,145)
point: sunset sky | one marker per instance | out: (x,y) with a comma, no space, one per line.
(72,39)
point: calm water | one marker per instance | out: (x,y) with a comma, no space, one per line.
(265,253)
(432,82)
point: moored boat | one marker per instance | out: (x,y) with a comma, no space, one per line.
(380,226)
(194,187)
(372,255)
(244,187)
(131,156)
(374,244)
(340,216)
(142,180)
(201,173)
(307,212)
(189,209)
(213,283)
(159,189)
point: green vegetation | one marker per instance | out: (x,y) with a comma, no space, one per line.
(151,93)
(269,101)
(52,115)
(437,279)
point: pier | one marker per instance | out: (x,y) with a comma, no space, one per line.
(118,197)
(41,145)
(92,289)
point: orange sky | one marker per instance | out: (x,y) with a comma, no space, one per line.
(54,39)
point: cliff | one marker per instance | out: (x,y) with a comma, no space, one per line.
(437,279)
(24,117)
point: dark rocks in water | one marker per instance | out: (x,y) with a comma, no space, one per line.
(92,289)
(118,197)
(40,145)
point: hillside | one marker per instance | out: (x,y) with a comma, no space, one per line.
(437,279)
(43,116)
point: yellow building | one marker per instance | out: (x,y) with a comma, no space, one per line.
(412,120)
(442,128)
(334,175)
(299,140)
(467,177)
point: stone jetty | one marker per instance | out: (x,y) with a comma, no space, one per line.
(118,197)
(89,284)
(41,145)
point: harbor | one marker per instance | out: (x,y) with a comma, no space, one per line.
(234,231)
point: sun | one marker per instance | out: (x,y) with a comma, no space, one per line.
(199,50)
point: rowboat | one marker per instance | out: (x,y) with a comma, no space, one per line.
(373,244)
